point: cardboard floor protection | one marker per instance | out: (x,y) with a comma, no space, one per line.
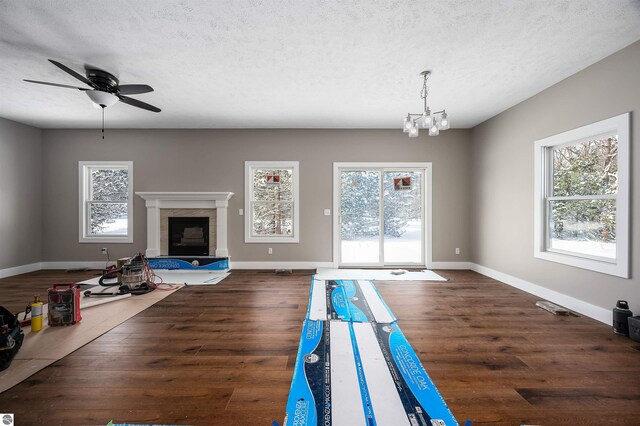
(45,347)
(376,274)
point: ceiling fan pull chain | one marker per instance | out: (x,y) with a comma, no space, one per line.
(102,123)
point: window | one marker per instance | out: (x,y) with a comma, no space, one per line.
(271,202)
(582,197)
(106,206)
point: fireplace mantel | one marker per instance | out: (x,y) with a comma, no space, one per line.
(155,201)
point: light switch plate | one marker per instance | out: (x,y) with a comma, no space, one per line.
(327,212)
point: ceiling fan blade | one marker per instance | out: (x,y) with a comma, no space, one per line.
(134,89)
(139,104)
(56,84)
(73,73)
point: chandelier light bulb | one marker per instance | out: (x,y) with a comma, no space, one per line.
(444,121)
(433,130)
(413,132)
(406,127)
(427,119)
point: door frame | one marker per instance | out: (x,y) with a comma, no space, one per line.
(427,200)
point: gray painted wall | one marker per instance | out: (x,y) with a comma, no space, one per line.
(502,177)
(20,194)
(213,160)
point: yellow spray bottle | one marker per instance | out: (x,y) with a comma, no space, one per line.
(36,314)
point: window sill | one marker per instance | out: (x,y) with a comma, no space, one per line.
(272,240)
(114,240)
(619,269)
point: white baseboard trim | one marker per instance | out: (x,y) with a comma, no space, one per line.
(314,265)
(587,309)
(450,265)
(73,265)
(17,270)
(279,265)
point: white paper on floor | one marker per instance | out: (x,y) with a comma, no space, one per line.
(178,276)
(376,274)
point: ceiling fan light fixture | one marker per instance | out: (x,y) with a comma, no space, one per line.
(102,99)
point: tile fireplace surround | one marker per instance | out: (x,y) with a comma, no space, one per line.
(155,201)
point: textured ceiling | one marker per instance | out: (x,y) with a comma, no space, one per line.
(299,63)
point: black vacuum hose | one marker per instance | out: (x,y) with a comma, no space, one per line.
(110,275)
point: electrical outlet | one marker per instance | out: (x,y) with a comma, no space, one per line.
(457,250)
(104,250)
(270,250)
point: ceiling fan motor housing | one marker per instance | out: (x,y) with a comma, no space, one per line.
(104,80)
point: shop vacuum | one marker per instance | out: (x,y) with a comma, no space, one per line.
(130,279)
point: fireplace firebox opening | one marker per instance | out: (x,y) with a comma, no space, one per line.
(188,236)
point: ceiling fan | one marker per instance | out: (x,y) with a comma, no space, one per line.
(105,89)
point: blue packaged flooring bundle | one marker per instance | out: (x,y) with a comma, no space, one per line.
(347,300)
(350,371)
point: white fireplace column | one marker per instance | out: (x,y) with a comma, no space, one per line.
(155,201)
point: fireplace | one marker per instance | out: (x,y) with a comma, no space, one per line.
(188,236)
(162,205)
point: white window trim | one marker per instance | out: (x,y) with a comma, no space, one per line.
(620,266)
(249,166)
(83,185)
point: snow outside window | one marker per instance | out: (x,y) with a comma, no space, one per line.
(271,202)
(582,197)
(106,206)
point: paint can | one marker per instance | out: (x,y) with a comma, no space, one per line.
(36,314)
(621,313)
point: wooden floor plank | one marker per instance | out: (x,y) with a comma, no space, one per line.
(224,355)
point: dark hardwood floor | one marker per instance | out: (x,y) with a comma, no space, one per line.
(224,355)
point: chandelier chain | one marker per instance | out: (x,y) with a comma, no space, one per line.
(424,93)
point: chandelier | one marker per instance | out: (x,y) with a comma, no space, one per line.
(434,121)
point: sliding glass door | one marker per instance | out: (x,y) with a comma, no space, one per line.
(360,227)
(380,216)
(403,224)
